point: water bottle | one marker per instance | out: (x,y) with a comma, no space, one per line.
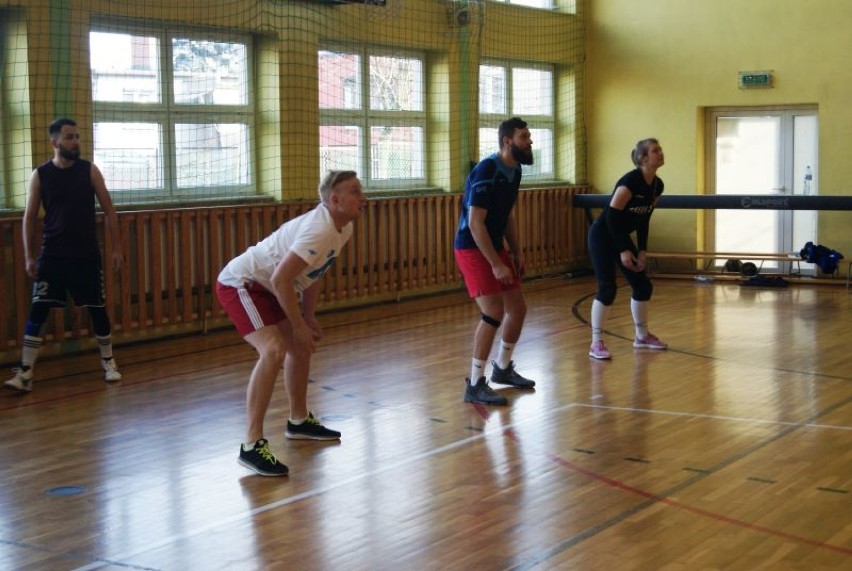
(807,188)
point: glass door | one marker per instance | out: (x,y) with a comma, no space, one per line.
(763,152)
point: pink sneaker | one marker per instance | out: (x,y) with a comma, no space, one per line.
(599,351)
(650,341)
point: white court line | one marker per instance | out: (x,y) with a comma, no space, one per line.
(440,450)
(305,495)
(714,416)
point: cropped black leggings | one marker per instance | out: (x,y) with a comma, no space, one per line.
(605,258)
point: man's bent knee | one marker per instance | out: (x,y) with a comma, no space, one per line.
(269,343)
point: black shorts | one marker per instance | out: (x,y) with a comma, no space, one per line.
(82,279)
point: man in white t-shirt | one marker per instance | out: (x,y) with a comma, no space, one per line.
(270,292)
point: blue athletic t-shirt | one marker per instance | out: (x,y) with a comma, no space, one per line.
(493,186)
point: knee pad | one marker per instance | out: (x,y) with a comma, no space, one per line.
(100,321)
(643,290)
(495,323)
(606,293)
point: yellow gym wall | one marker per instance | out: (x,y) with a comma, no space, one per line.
(652,68)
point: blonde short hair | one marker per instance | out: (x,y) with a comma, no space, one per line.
(331,180)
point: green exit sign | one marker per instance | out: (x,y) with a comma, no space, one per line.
(755,79)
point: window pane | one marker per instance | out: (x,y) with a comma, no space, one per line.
(542,154)
(532,92)
(492,89)
(130,155)
(125,67)
(396,84)
(397,152)
(488,143)
(339,80)
(533,3)
(340,148)
(214,154)
(209,73)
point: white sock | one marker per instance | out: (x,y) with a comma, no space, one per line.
(504,357)
(639,309)
(248,447)
(599,315)
(105,346)
(29,354)
(477,370)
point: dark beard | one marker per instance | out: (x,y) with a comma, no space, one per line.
(523,157)
(69,155)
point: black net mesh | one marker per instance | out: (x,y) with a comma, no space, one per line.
(196,102)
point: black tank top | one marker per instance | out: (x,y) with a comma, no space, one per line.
(69,204)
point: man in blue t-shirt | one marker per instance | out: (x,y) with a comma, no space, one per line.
(492,273)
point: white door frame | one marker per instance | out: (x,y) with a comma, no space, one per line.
(787,175)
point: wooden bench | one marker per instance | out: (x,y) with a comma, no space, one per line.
(708,258)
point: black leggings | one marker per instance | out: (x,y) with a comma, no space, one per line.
(605,258)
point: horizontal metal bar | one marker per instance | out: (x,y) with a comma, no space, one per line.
(730,202)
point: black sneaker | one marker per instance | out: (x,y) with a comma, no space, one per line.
(509,376)
(262,460)
(482,393)
(310,429)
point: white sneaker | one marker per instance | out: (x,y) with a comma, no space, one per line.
(111,373)
(21,382)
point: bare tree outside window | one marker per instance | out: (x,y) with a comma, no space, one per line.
(395,84)
(179,132)
(528,92)
(385,141)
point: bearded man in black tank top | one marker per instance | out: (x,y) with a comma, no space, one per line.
(69,261)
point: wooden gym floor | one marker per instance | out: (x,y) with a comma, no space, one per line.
(731,450)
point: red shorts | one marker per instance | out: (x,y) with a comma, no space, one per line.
(478,276)
(251,307)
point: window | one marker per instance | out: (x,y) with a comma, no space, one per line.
(372,117)
(525,91)
(172,113)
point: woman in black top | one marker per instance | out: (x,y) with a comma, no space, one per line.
(610,245)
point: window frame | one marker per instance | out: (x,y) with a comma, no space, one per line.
(365,118)
(167,113)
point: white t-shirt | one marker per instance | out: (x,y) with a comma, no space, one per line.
(312,236)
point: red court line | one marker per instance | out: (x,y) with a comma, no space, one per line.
(700,511)
(485,413)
